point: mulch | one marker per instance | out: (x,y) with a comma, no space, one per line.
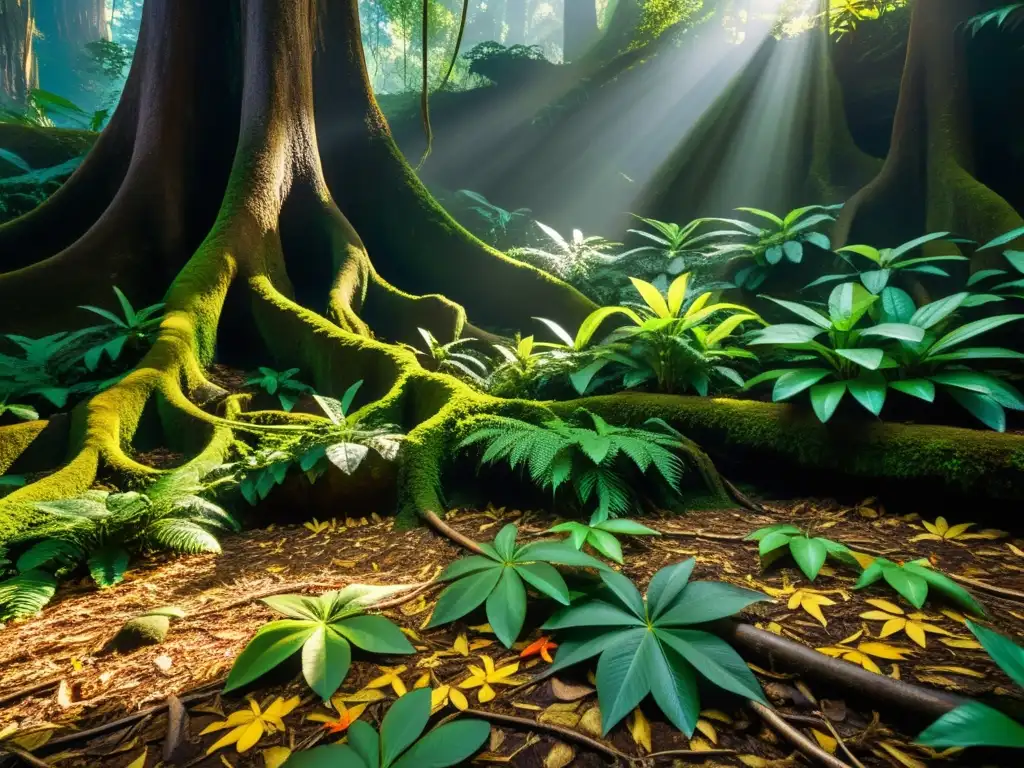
(66,644)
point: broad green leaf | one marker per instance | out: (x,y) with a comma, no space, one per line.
(760,533)
(970,330)
(715,659)
(594,320)
(505,542)
(807,313)
(328,756)
(326,657)
(703,601)
(652,296)
(593,613)
(847,304)
(901,331)
(809,554)
(875,280)
(919,388)
(624,590)
(786,333)
(274,643)
(1004,652)
(796,381)
(978,353)
(582,378)
(947,587)
(794,251)
(774,540)
(626,527)
(666,585)
(973,725)
(294,606)
(506,607)
(622,675)
(559,554)
(1004,239)
(346,456)
(982,407)
(896,305)
(468,565)
(107,565)
(674,687)
(447,745)
(677,293)
(545,579)
(825,398)
(366,743)
(403,724)
(932,314)
(373,633)
(464,595)
(869,390)
(773,255)
(606,544)
(868,358)
(916,243)
(909,585)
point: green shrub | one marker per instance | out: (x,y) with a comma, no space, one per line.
(281,383)
(808,552)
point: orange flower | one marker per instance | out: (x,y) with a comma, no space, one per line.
(542,646)
(344,719)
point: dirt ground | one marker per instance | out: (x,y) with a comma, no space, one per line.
(100,707)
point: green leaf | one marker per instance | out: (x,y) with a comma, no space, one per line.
(505,542)
(869,391)
(582,378)
(107,565)
(326,657)
(1004,652)
(807,313)
(26,594)
(794,250)
(867,358)
(916,243)
(328,756)
(47,552)
(774,540)
(346,456)
(295,606)
(978,353)
(847,304)
(714,659)
(970,330)
(932,314)
(373,633)
(973,725)
(545,579)
(786,333)
(468,565)
(626,527)
(622,675)
(447,745)
(666,585)
(274,643)
(982,407)
(809,554)
(606,544)
(464,595)
(825,398)
(626,593)
(947,587)
(1003,239)
(366,743)
(506,607)
(593,613)
(901,331)
(703,601)
(674,687)
(403,724)
(909,585)
(875,280)
(919,388)
(559,554)
(794,382)
(896,305)
(760,533)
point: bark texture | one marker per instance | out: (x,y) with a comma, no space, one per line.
(19,70)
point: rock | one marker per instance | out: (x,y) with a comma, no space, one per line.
(141,631)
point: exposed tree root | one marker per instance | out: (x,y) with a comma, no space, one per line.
(794,737)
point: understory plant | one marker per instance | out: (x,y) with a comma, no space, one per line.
(103,531)
(281,383)
(603,464)
(975,724)
(809,552)
(341,440)
(497,219)
(447,358)
(908,351)
(887,263)
(324,628)
(498,580)
(649,646)
(574,259)
(783,240)
(912,580)
(133,328)
(672,246)
(1012,285)
(601,535)
(399,743)
(19,411)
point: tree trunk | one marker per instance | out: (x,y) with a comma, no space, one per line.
(580,28)
(209,180)
(19,70)
(927,182)
(515,18)
(82,21)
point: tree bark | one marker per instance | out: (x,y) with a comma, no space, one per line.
(927,182)
(19,70)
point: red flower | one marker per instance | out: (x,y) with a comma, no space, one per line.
(542,646)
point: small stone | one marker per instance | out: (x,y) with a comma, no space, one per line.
(144,630)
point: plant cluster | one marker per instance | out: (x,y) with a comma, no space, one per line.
(281,383)
(53,369)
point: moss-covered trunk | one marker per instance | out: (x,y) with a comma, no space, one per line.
(927,182)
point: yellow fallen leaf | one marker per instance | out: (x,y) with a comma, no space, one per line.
(715,714)
(708,730)
(391,677)
(752,761)
(885,605)
(902,757)
(825,741)
(954,670)
(140,761)
(248,725)
(591,722)
(912,625)
(1016,550)
(640,730)
(699,745)
(275,757)
(560,714)
(316,526)
(960,642)
(461,645)
(560,756)
(884,651)
(811,602)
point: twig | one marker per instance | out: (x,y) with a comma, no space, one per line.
(446,530)
(25,756)
(417,590)
(741,498)
(842,744)
(565,733)
(775,721)
(29,690)
(685,754)
(702,535)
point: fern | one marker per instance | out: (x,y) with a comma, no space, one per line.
(1005,18)
(597,462)
(26,594)
(183,536)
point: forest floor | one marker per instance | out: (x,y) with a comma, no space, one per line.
(111,709)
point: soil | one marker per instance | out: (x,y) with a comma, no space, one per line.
(81,686)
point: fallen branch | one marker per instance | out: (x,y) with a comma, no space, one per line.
(446,530)
(28,690)
(774,721)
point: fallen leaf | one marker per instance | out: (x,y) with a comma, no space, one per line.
(140,761)
(708,730)
(591,721)
(484,678)
(392,678)
(902,757)
(445,695)
(895,622)
(248,725)
(960,642)
(954,671)
(640,730)
(560,756)
(569,691)
(825,741)
(699,745)
(811,602)
(560,714)
(275,757)
(64,696)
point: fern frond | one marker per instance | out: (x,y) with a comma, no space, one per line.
(47,552)
(107,565)
(204,511)
(179,535)
(26,594)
